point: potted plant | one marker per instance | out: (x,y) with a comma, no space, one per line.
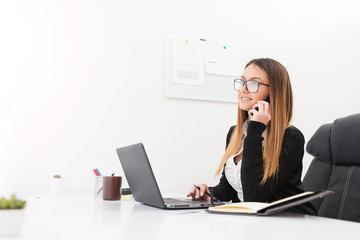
(11,216)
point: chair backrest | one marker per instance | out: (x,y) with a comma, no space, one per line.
(336,167)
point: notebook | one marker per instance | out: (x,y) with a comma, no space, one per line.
(142,182)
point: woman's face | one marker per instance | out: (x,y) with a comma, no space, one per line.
(247,99)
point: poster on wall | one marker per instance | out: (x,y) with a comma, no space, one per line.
(188,62)
(223,59)
(202,70)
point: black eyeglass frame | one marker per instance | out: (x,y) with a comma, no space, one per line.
(246,81)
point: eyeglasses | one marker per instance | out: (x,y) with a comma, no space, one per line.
(252,86)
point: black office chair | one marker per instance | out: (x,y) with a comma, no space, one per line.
(336,167)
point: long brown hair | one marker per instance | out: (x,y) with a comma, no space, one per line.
(281,107)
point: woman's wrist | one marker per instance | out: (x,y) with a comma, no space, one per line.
(255,127)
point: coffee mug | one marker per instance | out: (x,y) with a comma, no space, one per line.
(112,187)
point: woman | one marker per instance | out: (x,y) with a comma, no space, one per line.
(263,157)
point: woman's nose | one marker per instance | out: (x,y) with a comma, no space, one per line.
(243,88)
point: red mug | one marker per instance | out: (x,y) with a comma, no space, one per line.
(112,187)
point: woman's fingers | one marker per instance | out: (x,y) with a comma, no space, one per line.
(192,193)
(197,194)
(260,112)
(203,189)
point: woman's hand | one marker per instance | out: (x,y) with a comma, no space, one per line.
(199,194)
(262,114)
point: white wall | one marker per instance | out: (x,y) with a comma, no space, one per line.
(80,78)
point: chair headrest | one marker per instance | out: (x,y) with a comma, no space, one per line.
(345,140)
(319,144)
(337,143)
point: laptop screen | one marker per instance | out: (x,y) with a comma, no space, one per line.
(139,175)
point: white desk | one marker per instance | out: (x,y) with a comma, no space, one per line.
(86,217)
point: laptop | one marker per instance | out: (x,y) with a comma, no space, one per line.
(143,185)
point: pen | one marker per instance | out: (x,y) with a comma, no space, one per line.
(96,173)
(205,191)
(212,197)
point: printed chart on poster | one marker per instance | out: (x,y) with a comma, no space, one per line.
(202,70)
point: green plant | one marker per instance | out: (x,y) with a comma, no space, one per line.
(12,203)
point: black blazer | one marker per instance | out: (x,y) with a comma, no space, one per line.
(285,183)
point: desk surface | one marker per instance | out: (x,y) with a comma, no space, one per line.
(86,217)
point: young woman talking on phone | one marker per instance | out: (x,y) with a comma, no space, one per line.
(263,157)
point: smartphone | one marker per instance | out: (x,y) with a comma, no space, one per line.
(267,99)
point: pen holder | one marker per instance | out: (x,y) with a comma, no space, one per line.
(98,186)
